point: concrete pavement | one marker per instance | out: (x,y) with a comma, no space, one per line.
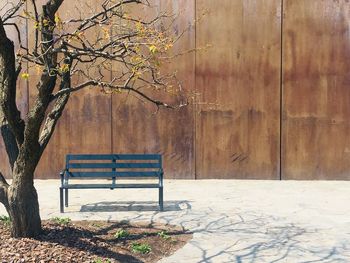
(232,220)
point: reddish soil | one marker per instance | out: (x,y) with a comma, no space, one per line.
(91,241)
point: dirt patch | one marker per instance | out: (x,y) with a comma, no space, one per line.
(93,241)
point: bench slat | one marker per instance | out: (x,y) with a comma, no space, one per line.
(114,174)
(112,165)
(113,156)
(108,186)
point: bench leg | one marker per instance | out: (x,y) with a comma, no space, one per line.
(61,201)
(161,199)
(66,197)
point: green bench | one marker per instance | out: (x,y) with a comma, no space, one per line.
(113,167)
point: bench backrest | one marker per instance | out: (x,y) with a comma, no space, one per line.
(114,165)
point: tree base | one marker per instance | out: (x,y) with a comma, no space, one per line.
(23,209)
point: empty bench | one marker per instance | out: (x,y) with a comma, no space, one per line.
(112,167)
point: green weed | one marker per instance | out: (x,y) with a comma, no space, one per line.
(164,235)
(121,233)
(142,248)
(5,220)
(61,220)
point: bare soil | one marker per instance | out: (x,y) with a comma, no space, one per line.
(92,241)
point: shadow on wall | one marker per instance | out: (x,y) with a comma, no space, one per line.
(135,206)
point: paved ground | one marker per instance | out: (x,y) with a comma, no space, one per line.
(232,221)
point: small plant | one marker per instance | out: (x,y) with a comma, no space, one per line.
(5,220)
(121,233)
(96,225)
(61,220)
(164,235)
(142,248)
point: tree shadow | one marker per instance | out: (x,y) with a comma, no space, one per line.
(126,224)
(254,237)
(138,206)
(85,240)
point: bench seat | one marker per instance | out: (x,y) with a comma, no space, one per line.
(108,186)
(113,167)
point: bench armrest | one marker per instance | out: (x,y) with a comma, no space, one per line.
(161,173)
(62,173)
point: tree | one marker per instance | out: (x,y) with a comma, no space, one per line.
(84,46)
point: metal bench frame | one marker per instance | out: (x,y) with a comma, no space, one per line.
(152,169)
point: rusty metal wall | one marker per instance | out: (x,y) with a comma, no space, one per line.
(316,90)
(238,80)
(273,97)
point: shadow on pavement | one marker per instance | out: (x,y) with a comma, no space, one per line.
(253,237)
(135,206)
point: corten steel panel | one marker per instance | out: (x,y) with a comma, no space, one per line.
(22,88)
(85,126)
(238,79)
(316,90)
(137,129)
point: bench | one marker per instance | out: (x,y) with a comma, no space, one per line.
(112,167)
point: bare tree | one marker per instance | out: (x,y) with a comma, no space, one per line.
(87,46)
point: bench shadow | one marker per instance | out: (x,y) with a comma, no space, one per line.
(138,206)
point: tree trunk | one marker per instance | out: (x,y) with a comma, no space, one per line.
(23,204)
(23,209)
(10,144)
(20,199)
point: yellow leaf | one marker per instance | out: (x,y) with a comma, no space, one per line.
(139,26)
(58,22)
(168,46)
(57,19)
(153,49)
(45,22)
(25,75)
(36,25)
(105,33)
(64,68)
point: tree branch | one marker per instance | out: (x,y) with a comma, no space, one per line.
(9,141)
(104,12)
(48,78)
(52,120)
(8,78)
(18,33)
(11,12)
(3,191)
(3,181)
(57,110)
(51,7)
(36,29)
(113,87)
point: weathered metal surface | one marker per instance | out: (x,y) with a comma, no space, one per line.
(242,104)
(136,129)
(238,79)
(316,90)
